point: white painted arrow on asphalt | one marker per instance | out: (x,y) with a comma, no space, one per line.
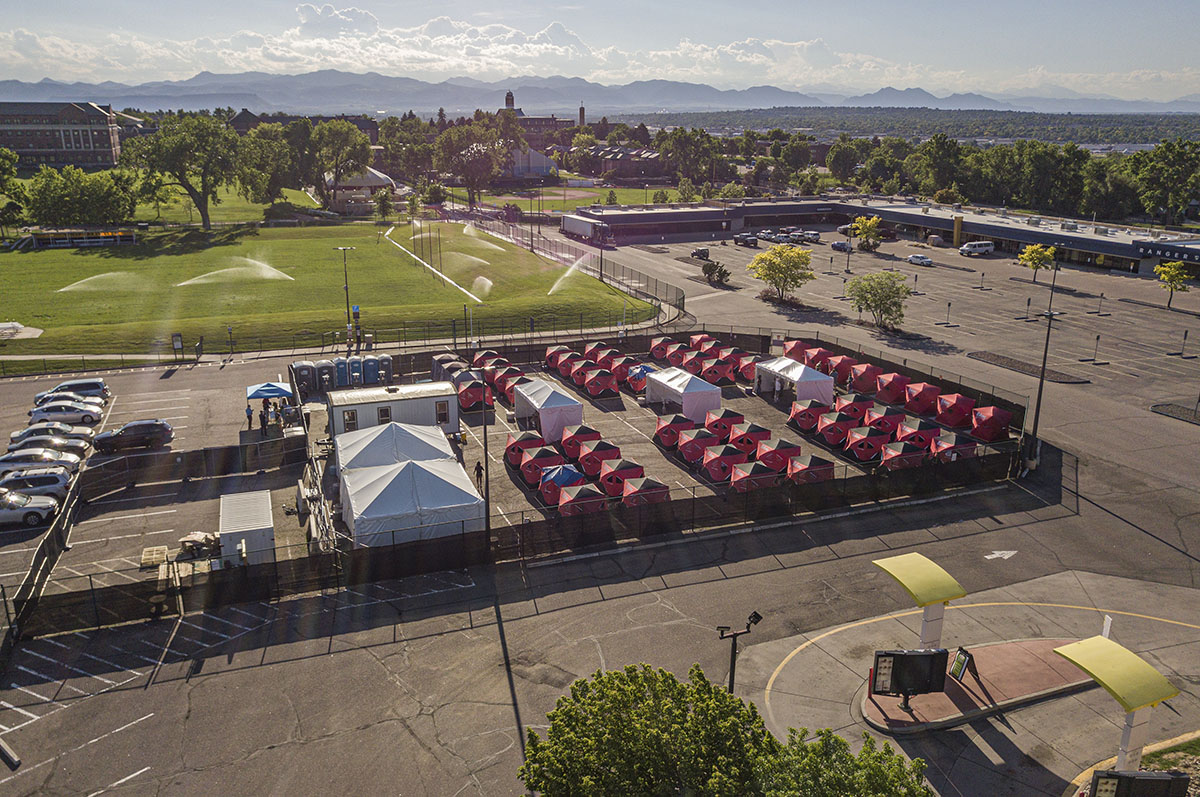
(1001,555)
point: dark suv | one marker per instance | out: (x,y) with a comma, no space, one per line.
(135,434)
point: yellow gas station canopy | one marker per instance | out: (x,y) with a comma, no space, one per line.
(1122,673)
(925,581)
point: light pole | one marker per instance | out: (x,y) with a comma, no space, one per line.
(732,636)
(1031,462)
(346,285)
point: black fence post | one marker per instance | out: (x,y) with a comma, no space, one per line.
(92,591)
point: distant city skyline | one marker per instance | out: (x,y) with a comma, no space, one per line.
(1095,48)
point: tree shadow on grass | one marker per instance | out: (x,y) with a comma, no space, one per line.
(168,244)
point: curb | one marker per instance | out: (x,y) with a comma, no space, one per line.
(1083,778)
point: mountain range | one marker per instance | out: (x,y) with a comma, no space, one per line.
(333,91)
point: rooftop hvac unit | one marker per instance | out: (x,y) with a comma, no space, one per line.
(1034,221)
(1069,225)
(1102,231)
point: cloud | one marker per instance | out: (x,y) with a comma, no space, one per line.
(353,39)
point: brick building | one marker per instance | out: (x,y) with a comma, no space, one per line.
(60,133)
(538,128)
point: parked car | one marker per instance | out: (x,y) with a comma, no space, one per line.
(788,230)
(745,239)
(78,447)
(45,398)
(52,481)
(65,412)
(920,260)
(29,510)
(38,457)
(53,428)
(135,434)
(82,387)
(700,253)
(812,236)
(977,248)
(840,246)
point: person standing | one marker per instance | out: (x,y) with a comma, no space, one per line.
(479,474)
(249,417)
(262,422)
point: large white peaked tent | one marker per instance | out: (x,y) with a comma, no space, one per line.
(389,444)
(695,397)
(808,382)
(407,501)
(551,405)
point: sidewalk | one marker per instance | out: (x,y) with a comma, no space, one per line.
(818,679)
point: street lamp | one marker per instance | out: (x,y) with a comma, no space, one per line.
(1031,461)
(346,286)
(726,633)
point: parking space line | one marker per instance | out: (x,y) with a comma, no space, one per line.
(49,680)
(125,652)
(137,498)
(119,782)
(28,691)
(64,665)
(120,537)
(160,392)
(248,614)
(231,622)
(136,674)
(204,630)
(20,710)
(41,764)
(126,517)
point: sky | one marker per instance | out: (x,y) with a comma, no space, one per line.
(1052,47)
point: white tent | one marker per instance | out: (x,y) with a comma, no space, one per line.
(389,444)
(553,408)
(695,397)
(809,383)
(409,501)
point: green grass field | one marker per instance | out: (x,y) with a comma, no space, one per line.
(273,284)
(232,208)
(552,197)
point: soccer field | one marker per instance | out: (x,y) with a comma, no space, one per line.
(273,284)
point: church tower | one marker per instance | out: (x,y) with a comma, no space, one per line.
(581,116)
(509,101)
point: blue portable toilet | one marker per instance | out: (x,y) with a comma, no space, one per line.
(385,369)
(356,370)
(326,375)
(343,371)
(370,366)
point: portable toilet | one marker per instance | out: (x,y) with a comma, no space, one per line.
(306,375)
(370,370)
(326,375)
(356,370)
(343,372)
(385,369)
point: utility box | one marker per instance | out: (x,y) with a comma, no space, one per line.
(247,530)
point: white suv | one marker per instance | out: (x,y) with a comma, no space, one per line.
(83,387)
(54,482)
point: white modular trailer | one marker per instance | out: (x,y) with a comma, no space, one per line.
(549,405)
(410,501)
(247,529)
(422,404)
(695,397)
(809,383)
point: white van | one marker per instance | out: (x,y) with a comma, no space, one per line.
(977,248)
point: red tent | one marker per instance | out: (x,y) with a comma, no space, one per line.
(863,377)
(566,360)
(855,404)
(903,454)
(776,453)
(620,366)
(708,345)
(497,377)
(693,361)
(638,492)
(605,357)
(636,378)
(816,357)
(555,478)
(731,353)
(510,386)
(881,416)
(794,349)
(721,421)
(658,347)
(534,459)
(579,370)
(833,426)
(718,461)
(581,499)
(918,431)
(590,349)
(954,410)
(889,388)
(600,383)
(450,369)
(921,397)
(990,423)
(808,469)
(676,352)
(668,427)
(866,442)
(805,414)
(692,443)
(614,472)
(949,446)
(839,368)
(717,372)
(746,366)
(473,394)
(747,476)
(517,443)
(699,338)
(574,436)
(746,436)
(553,353)
(491,362)
(481,355)
(592,454)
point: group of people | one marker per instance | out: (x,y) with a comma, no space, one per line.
(269,414)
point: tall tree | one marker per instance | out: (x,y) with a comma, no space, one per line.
(299,138)
(1173,277)
(867,230)
(264,164)
(882,293)
(687,190)
(823,766)
(473,153)
(196,153)
(784,268)
(1168,177)
(8,170)
(842,160)
(1036,257)
(943,155)
(339,149)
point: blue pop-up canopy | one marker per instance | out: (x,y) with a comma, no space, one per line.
(268,390)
